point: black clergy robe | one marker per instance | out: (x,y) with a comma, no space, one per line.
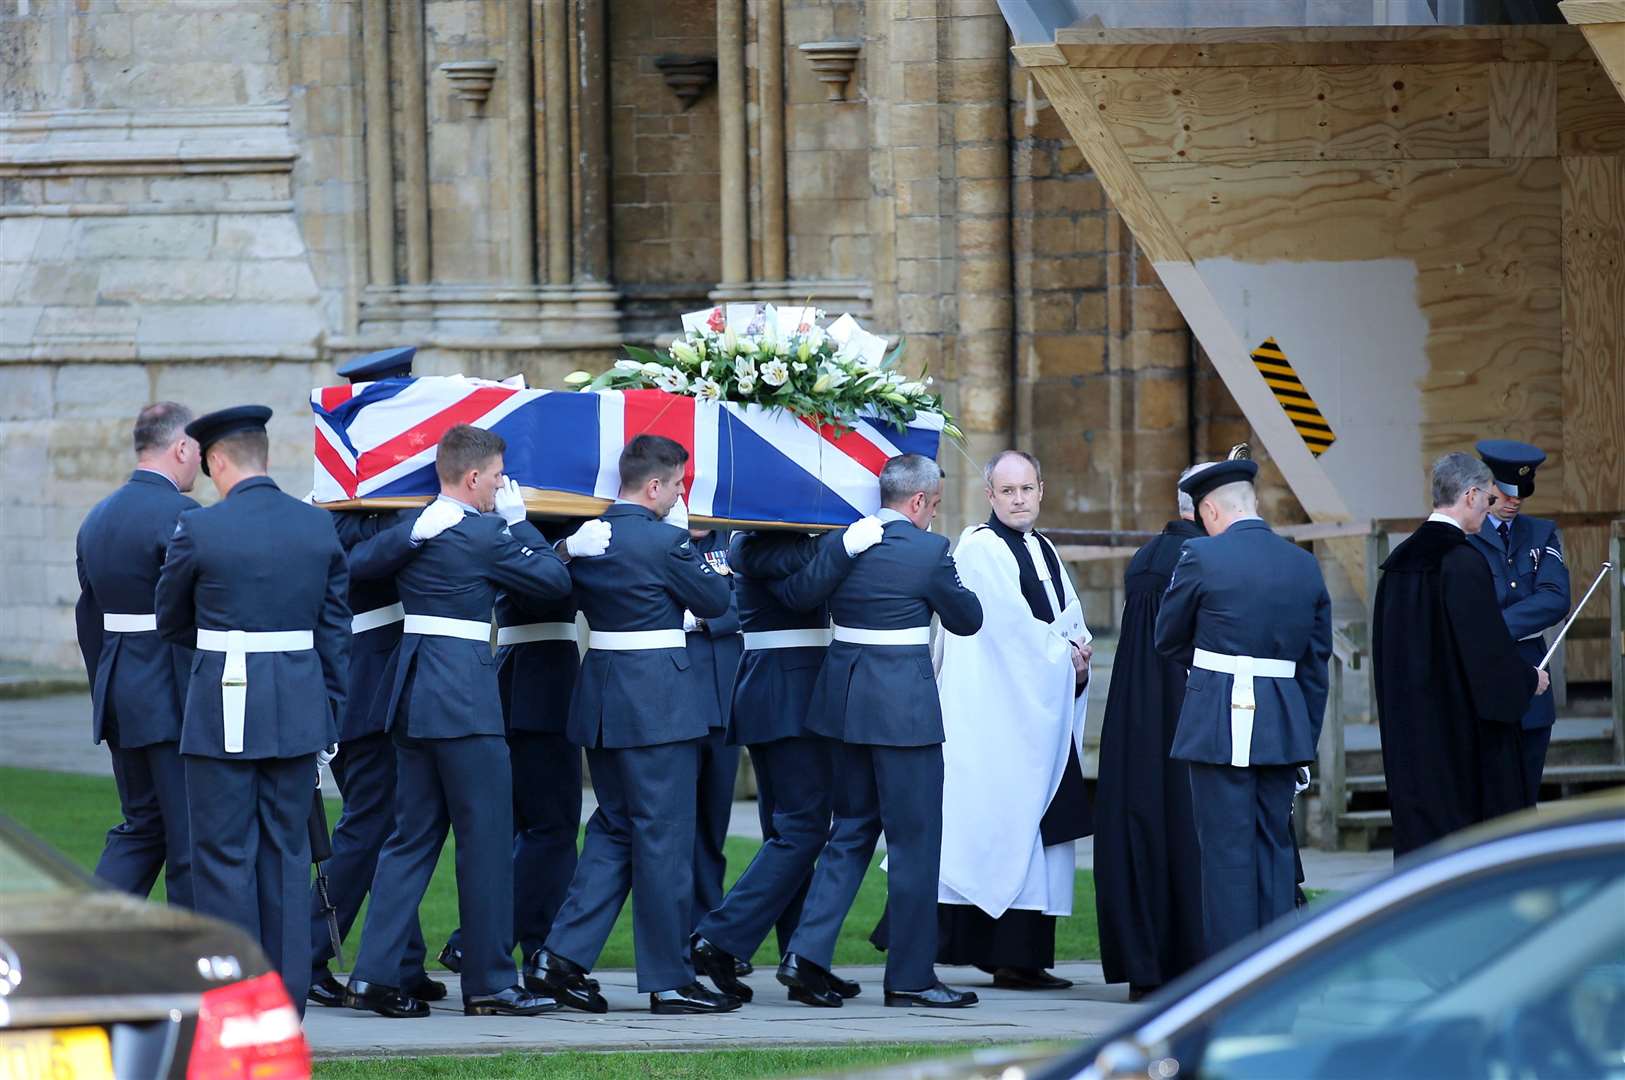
(1451,689)
(1148,889)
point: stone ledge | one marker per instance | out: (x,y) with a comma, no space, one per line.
(122,141)
(219,206)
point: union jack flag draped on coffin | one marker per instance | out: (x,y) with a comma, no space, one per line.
(746,463)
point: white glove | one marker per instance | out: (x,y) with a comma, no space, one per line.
(589,540)
(1301,783)
(510,503)
(677,515)
(862,535)
(436,518)
(690,622)
(324,758)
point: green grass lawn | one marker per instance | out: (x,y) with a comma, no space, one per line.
(655,1065)
(74,812)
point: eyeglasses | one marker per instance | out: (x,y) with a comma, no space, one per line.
(1490,495)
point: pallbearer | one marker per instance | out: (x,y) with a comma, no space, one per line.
(257,584)
(639,709)
(780,580)
(364,767)
(138,681)
(876,695)
(714,646)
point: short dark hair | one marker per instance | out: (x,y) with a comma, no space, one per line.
(249,450)
(649,456)
(993,463)
(160,424)
(464,448)
(907,475)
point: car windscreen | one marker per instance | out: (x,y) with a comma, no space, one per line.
(1516,973)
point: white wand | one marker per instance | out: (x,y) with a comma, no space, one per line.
(1607,566)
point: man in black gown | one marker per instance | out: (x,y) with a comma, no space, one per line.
(1148,890)
(1451,687)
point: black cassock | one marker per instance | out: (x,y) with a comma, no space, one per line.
(1451,689)
(1017,939)
(1148,889)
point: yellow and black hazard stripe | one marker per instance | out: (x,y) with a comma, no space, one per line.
(1289,391)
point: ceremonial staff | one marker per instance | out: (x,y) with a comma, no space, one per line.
(1607,566)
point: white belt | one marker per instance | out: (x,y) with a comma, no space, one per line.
(627,640)
(1242,702)
(853,635)
(536,631)
(436,626)
(129,624)
(787,639)
(378,616)
(237,644)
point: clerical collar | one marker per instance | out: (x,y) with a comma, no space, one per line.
(886,513)
(1446,519)
(458,502)
(155,472)
(1004,530)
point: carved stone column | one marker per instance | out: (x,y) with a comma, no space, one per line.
(770,59)
(415,146)
(556,73)
(380,158)
(731,108)
(521,164)
(592,154)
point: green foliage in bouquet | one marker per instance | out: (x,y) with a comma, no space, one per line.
(807,373)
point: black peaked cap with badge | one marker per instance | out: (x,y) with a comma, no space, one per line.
(383,364)
(1199,483)
(210,428)
(1513,465)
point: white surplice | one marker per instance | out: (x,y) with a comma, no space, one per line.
(1011,717)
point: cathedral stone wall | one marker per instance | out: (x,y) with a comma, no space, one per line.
(218,201)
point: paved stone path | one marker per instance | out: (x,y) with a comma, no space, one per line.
(1004,1016)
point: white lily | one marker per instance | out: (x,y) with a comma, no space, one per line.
(628,365)
(708,390)
(746,384)
(775,373)
(672,381)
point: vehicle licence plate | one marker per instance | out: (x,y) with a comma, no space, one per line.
(80,1053)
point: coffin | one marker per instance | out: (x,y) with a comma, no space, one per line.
(749,466)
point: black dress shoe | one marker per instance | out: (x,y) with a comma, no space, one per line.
(844,987)
(514,1001)
(533,975)
(809,984)
(743,968)
(721,967)
(940,996)
(1029,979)
(383,1000)
(565,981)
(692,998)
(424,988)
(325,990)
(451,958)
(1140,993)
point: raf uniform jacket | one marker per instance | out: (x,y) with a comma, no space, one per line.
(537,678)
(372,652)
(649,575)
(714,649)
(446,687)
(776,574)
(137,681)
(1532,588)
(260,560)
(886,695)
(1248,592)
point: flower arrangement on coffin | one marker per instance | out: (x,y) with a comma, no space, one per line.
(759,354)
